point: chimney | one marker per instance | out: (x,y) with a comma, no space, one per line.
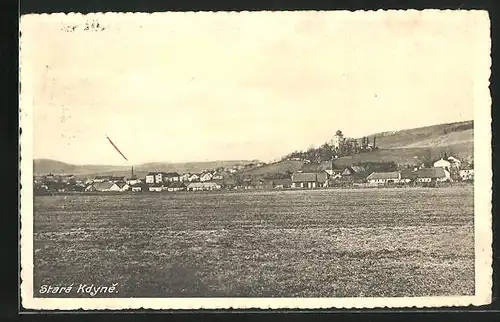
(374,137)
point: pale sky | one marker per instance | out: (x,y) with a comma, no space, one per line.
(223,86)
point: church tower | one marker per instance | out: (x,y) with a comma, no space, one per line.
(338,139)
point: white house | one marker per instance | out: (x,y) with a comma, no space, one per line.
(218,176)
(156,188)
(150,178)
(184,177)
(194,177)
(132,182)
(466,174)
(159,177)
(136,187)
(384,177)
(200,186)
(442,163)
(207,176)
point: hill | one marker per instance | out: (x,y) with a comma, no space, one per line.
(44,166)
(435,136)
(413,156)
(411,146)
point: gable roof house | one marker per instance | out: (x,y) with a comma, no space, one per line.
(184,177)
(384,177)
(194,177)
(103,186)
(282,183)
(408,176)
(123,186)
(442,163)
(170,176)
(176,186)
(207,176)
(309,180)
(436,174)
(351,170)
(200,186)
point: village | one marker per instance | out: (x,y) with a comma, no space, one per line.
(319,171)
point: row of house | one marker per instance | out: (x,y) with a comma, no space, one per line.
(425,175)
(163,177)
(323,178)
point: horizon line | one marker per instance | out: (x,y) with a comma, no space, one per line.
(239,160)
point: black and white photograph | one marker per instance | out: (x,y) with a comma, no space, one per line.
(302,159)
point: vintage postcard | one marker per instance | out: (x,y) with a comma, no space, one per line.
(211,160)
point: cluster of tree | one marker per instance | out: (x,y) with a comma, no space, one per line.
(276,176)
(378,166)
(328,152)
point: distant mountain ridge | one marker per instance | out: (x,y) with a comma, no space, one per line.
(44,166)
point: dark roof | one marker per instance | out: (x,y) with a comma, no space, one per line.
(304,177)
(408,174)
(357,168)
(151,173)
(309,177)
(103,177)
(383,175)
(176,184)
(103,185)
(171,174)
(121,184)
(136,185)
(283,182)
(431,173)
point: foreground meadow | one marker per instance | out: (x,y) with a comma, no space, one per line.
(323,243)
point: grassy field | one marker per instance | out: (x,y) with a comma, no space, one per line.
(330,243)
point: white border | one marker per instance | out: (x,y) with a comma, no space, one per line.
(482,216)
